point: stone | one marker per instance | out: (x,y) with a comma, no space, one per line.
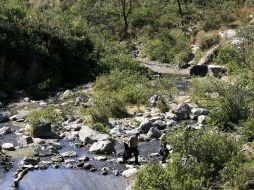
(83,159)
(87,166)
(182,111)
(5,130)
(16,118)
(25,140)
(153,100)
(145,125)
(154,133)
(130,172)
(80,165)
(202,119)
(26,99)
(199,111)
(89,136)
(116,131)
(8,146)
(78,100)
(93,169)
(3,118)
(160,124)
(171,116)
(132,132)
(70,161)
(43,130)
(30,161)
(69,154)
(104,171)
(42,103)
(100,158)
(156,154)
(66,94)
(57,158)
(116,172)
(171,123)
(102,147)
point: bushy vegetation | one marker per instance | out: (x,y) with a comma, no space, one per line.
(231,100)
(114,92)
(207,40)
(201,160)
(49,114)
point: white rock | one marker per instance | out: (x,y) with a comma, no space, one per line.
(202,119)
(100,158)
(8,146)
(130,172)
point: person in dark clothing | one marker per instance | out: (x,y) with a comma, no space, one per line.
(164,152)
(131,149)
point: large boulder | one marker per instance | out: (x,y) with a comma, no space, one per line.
(154,133)
(3,118)
(182,111)
(145,125)
(43,130)
(89,136)
(102,147)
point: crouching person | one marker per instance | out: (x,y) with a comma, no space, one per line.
(164,152)
(131,149)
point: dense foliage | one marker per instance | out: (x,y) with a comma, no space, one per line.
(201,160)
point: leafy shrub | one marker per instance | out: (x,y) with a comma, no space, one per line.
(161,104)
(114,92)
(198,159)
(230,99)
(100,127)
(228,55)
(207,40)
(248,129)
(50,114)
(169,48)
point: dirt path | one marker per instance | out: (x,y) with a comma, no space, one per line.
(163,68)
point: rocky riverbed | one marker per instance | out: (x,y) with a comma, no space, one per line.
(75,156)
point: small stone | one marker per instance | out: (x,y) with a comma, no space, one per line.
(104,171)
(30,161)
(93,170)
(5,130)
(55,166)
(100,158)
(69,154)
(87,166)
(156,154)
(8,146)
(3,118)
(116,172)
(80,165)
(57,159)
(26,99)
(83,159)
